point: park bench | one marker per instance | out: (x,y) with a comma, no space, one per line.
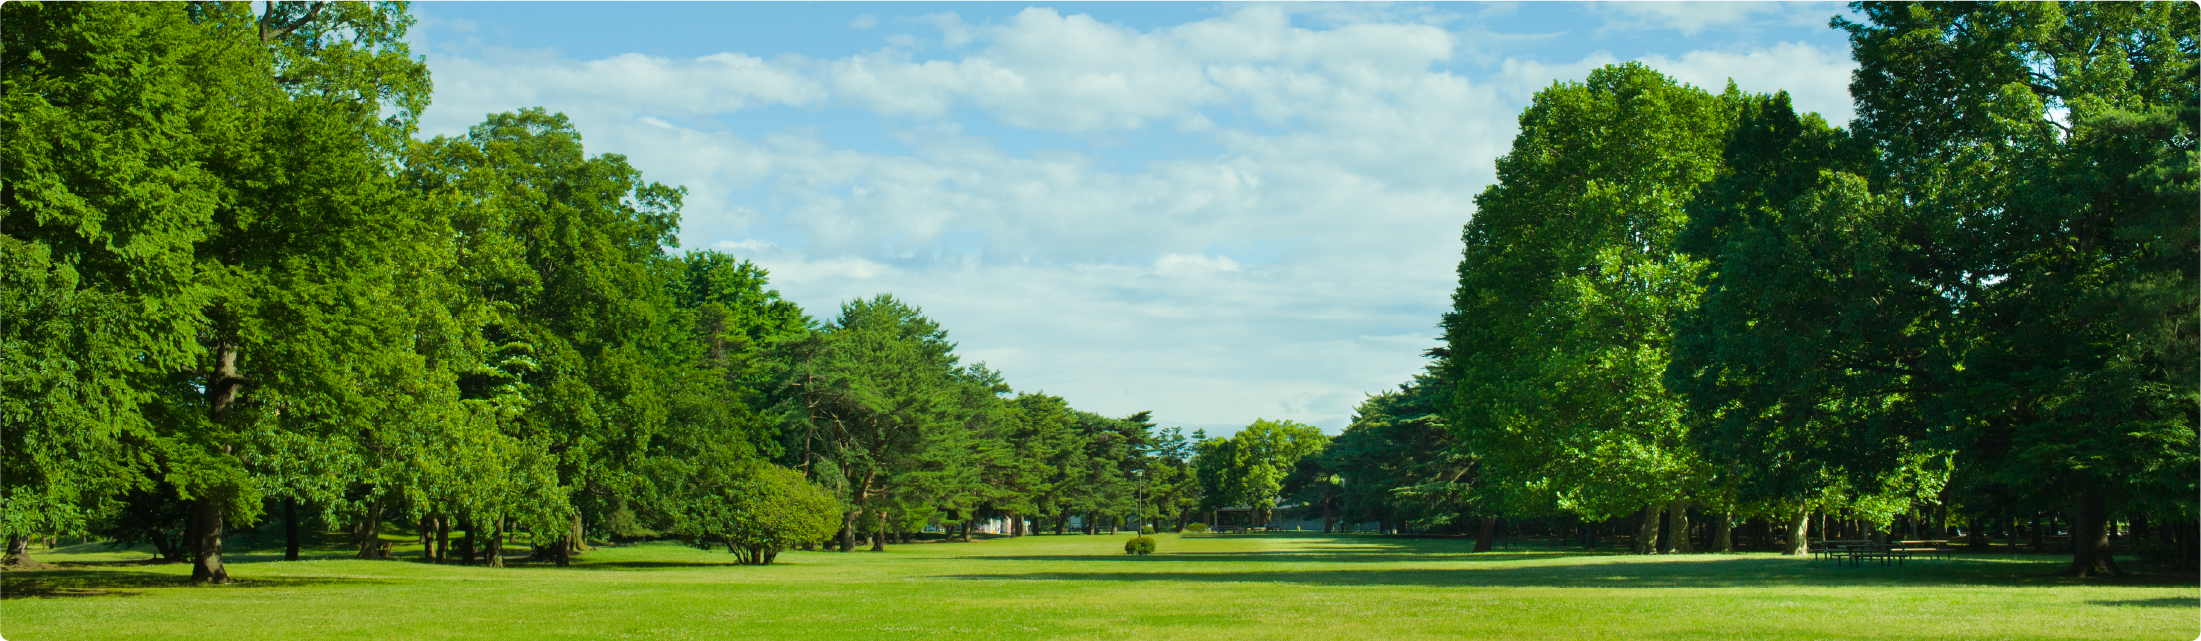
(1897,552)
(1930,548)
(1834,550)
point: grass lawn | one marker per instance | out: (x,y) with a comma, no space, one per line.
(1226,587)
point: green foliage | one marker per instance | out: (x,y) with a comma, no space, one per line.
(1558,332)
(1248,468)
(1141,545)
(756,511)
(1196,527)
(1396,462)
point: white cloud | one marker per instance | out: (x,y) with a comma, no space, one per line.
(864,21)
(466,88)
(1330,172)
(1817,80)
(749,245)
(1176,265)
(1691,18)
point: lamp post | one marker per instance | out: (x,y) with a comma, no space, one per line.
(1138,499)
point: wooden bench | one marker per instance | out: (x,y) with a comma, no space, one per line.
(1834,550)
(1897,552)
(1931,548)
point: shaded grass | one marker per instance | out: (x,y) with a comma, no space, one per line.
(1277,586)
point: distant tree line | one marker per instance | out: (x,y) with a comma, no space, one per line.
(1975,307)
(240,290)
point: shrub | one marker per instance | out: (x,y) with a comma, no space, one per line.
(1139,545)
(1146,529)
(756,512)
(1196,527)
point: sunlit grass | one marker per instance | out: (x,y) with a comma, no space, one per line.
(1219,587)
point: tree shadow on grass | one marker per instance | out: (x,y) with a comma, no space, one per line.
(117,583)
(638,565)
(2165,602)
(1663,573)
(1310,556)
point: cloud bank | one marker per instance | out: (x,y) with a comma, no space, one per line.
(1221,220)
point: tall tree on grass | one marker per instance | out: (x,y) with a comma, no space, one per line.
(874,388)
(2053,144)
(254,208)
(1811,344)
(1558,331)
(1249,468)
(1398,463)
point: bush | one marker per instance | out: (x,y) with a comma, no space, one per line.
(1146,529)
(756,512)
(1196,527)
(1139,545)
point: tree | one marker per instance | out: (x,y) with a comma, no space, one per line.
(1249,467)
(1569,280)
(1808,347)
(874,387)
(2052,146)
(1397,462)
(755,510)
(266,253)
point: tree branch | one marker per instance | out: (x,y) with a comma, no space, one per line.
(268,36)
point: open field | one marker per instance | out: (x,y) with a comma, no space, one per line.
(1234,587)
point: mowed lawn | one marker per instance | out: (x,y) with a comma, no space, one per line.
(1218,587)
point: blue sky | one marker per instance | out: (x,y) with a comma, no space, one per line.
(1218,212)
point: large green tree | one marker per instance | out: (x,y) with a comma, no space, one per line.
(1569,280)
(2052,145)
(242,196)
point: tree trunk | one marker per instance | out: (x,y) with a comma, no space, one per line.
(203,530)
(495,547)
(1723,530)
(466,543)
(204,538)
(1677,527)
(2039,542)
(1646,530)
(290,529)
(367,532)
(562,551)
(2090,553)
(1977,533)
(443,538)
(1488,534)
(848,531)
(1799,532)
(1589,536)
(19,554)
(2186,533)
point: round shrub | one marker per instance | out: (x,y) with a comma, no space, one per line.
(1146,529)
(1139,545)
(1196,527)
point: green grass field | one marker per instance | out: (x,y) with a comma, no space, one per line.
(1228,587)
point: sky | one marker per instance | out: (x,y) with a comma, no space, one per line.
(1215,212)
